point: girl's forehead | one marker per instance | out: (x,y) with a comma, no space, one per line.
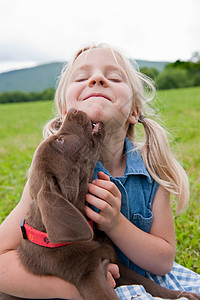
(98,56)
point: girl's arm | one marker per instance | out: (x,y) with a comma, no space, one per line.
(154,251)
(14,279)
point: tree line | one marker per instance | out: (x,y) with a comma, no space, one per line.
(175,75)
(17,96)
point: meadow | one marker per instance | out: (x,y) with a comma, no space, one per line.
(21,131)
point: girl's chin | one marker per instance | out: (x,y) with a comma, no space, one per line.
(96,113)
(96,116)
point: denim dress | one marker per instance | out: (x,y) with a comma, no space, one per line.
(137,189)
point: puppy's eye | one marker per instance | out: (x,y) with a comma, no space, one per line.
(60,140)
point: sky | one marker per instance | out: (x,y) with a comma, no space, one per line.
(34,32)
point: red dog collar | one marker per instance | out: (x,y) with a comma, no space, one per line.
(40,238)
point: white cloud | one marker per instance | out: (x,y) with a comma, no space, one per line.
(53,29)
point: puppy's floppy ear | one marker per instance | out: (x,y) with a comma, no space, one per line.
(63,221)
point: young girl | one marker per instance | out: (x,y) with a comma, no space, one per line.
(130,194)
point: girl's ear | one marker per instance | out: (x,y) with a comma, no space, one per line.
(134,116)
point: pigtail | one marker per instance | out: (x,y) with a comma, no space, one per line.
(161,164)
(52,127)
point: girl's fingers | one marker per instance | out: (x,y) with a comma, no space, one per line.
(114,270)
(106,186)
(104,194)
(104,182)
(92,215)
(100,204)
(103,176)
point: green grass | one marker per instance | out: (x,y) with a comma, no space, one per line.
(180,109)
(21,131)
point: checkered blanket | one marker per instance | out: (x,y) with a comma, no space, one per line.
(179,278)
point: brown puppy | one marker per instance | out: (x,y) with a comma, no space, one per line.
(59,175)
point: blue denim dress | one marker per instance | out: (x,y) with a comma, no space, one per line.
(137,189)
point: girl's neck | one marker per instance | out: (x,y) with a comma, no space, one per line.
(112,154)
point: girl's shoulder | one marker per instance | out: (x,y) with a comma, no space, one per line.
(135,164)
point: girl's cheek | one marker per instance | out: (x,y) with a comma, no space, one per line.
(72,95)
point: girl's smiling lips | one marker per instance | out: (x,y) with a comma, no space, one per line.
(97,95)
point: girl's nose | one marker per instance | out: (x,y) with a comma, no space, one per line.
(98,80)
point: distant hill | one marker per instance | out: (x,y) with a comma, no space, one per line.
(34,79)
(159,65)
(42,77)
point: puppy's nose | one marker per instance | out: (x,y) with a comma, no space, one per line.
(72,110)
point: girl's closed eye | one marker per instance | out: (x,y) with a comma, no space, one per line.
(114,77)
(80,78)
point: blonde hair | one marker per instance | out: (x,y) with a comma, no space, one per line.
(155,150)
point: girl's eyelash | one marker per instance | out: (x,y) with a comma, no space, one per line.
(115,79)
(80,79)
(111,79)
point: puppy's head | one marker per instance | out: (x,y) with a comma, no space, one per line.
(69,156)
(79,137)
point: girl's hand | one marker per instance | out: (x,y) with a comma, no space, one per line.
(105,196)
(112,274)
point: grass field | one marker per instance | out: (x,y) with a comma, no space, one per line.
(21,131)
